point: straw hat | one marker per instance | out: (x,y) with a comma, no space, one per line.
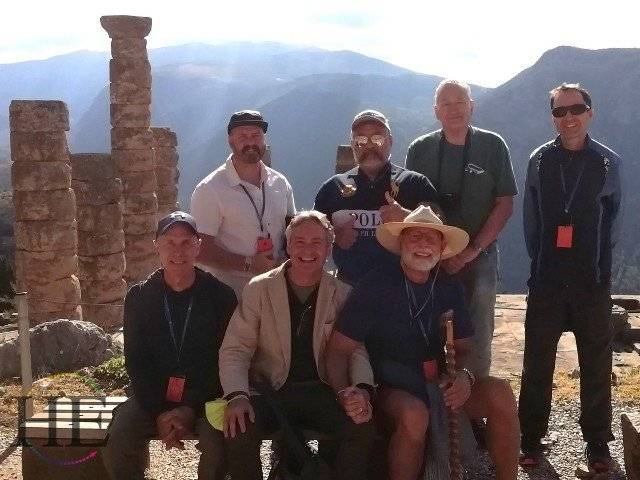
(455,239)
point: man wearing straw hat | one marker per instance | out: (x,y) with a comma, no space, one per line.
(395,313)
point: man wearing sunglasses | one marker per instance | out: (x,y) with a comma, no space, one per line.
(279,335)
(572,213)
(376,191)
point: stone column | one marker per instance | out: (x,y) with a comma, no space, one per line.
(344,159)
(101,261)
(45,210)
(167,173)
(132,140)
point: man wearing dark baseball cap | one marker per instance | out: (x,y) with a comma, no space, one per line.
(242,206)
(375,191)
(174,323)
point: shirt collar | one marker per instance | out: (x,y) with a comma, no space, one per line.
(232,174)
(587,142)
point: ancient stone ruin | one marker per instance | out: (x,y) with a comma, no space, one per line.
(100,237)
(85,223)
(344,159)
(45,209)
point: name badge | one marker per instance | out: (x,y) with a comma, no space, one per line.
(564,238)
(430,370)
(175,389)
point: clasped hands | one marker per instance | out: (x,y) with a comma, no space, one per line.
(174,425)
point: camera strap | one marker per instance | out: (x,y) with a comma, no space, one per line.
(465,159)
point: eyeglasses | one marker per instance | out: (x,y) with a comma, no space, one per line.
(577,109)
(361,140)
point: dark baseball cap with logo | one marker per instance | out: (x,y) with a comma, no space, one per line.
(247,117)
(176,218)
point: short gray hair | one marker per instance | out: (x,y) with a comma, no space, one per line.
(450,81)
(311,216)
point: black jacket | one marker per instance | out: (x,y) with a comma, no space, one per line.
(150,357)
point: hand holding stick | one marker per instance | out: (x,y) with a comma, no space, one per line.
(454,434)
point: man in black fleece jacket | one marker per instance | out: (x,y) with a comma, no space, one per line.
(174,323)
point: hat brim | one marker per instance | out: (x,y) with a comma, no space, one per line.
(455,239)
(248,123)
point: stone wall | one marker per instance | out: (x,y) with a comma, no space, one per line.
(45,210)
(101,261)
(132,141)
(166,157)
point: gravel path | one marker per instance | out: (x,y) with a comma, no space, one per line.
(566,454)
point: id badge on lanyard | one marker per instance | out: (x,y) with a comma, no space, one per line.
(564,232)
(176,383)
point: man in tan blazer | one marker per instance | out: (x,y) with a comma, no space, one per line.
(278,335)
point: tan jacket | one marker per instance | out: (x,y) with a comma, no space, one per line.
(257,344)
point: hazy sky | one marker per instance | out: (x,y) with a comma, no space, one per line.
(481,42)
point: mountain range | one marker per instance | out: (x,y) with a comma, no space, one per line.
(309,97)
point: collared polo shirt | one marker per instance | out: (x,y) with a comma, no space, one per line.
(223,210)
(353,192)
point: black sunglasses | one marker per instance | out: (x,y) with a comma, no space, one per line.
(577,109)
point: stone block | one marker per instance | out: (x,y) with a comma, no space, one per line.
(45,205)
(164,210)
(140,268)
(126,26)
(140,203)
(167,194)
(140,224)
(124,138)
(101,269)
(139,246)
(45,236)
(130,71)
(107,292)
(134,116)
(36,318)
(91,167)
(164,137)
(167,157)
(58,295)
(101,192)
(105,316)
(38,115)
(100,243)
(166,175)
(39,147)
(134,160)
(129,48)
(344,159)
(139,182)
(38,176)
(125,93)
(631,442)
(102,218)
(41,267)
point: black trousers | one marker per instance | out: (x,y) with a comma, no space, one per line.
(310,406)
(587,313)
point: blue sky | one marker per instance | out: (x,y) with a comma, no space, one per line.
(481,42)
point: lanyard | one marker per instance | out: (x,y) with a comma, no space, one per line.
(167,315)
(413,304)
(465,158)
(259,215)
(569,201)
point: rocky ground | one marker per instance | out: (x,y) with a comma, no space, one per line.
(565,459)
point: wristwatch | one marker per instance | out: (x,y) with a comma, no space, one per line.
(472,377)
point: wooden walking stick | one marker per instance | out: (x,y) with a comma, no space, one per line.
(454,433)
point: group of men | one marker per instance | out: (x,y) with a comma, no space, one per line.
(243,299)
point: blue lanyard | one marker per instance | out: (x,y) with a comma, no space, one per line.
(167,315)
(259,215)
(413,305)
(568,201)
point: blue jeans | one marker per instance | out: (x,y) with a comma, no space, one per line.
(480,280)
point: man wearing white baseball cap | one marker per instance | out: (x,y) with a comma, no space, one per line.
(395,311)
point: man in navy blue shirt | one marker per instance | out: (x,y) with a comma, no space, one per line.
(374,192)
(394,311)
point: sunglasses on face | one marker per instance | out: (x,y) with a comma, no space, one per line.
(361,140)
(577,109)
